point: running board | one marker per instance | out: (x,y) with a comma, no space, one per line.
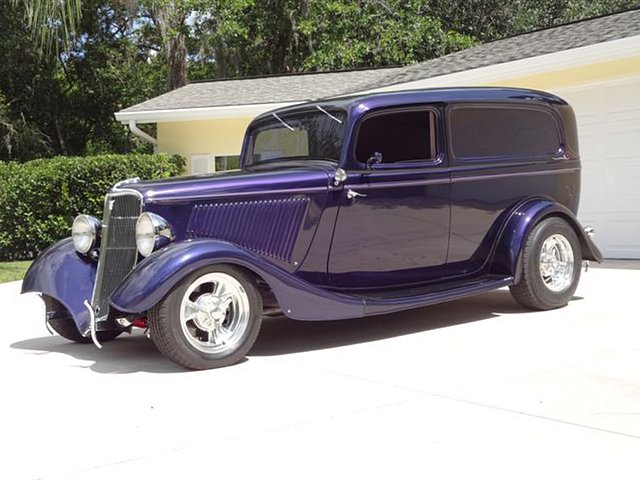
(378,304)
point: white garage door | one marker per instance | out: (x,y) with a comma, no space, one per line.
(609,128)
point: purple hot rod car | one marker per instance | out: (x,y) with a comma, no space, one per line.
(341,208)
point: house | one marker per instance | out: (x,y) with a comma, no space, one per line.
(205,121)
(593,64)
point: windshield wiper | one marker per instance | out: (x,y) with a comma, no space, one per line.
(283,122)
(328,114)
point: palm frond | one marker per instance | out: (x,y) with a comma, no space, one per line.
(52,22)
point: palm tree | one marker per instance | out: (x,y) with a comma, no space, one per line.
(54,21)
(51,20)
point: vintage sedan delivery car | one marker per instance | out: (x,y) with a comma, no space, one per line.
(342,208)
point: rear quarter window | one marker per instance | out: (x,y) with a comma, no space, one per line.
(480,132)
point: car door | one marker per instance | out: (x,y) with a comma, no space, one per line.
(392,227)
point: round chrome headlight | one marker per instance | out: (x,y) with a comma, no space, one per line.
(152,232)
(85,231)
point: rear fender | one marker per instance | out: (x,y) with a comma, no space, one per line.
(61,273)
(158,274)
(507,256)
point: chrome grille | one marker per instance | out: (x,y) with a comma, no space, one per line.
(118,251)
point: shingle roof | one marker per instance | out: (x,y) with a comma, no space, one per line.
(311,86)
(541,42)
(271,89)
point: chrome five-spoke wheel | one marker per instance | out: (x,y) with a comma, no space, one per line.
(214,313)
(209,320)
(556,263)
(551,259)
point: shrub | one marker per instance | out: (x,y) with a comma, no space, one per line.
(39,199)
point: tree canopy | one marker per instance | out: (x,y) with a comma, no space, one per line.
(68,65)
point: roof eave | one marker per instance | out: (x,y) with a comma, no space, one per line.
(200,113)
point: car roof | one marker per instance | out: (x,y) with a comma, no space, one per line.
(366,102)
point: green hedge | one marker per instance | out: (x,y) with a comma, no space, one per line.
(39,199)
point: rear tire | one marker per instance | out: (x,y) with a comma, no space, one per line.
(210,320)
(63,324)
(551,264)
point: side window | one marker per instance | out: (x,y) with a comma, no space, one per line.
(400,136)
(498,131)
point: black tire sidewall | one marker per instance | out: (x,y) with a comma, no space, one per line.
(66,327)
(547,228)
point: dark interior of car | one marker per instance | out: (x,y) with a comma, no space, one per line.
(399,136)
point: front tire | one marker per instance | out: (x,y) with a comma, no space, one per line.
(62,323)
(551,264)
(210,320)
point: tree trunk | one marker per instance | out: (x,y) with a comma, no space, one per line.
(176,49)
(170,20)
(61,142)
(221,61)
(283,35)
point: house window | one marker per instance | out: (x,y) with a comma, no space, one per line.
(398,136)
(209,163)
(227,162)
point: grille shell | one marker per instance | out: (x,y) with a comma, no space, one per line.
(118,250)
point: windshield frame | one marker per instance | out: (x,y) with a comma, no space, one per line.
(268,118)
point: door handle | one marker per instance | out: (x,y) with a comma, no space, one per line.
(351,194)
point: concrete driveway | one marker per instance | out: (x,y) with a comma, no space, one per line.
(477,388)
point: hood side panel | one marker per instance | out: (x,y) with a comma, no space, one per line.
(279,179)
(268,227)
(273,211)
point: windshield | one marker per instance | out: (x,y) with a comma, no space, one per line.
(316,134)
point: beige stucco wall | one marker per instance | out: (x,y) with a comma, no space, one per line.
(570,77)
(214,137)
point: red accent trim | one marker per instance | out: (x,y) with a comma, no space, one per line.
(140,322)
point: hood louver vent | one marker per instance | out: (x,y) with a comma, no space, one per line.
(267,227)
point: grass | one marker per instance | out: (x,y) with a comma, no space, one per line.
(11,271)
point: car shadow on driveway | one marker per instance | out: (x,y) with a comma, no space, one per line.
(281,336)
(127,354)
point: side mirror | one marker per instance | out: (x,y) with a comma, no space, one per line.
(373,160)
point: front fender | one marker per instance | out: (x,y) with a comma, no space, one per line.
(158,274)
(508,252)
(66,276)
